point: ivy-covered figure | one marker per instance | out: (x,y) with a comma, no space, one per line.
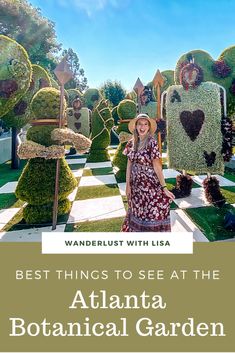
(101,125)
(198,131)
(45,143)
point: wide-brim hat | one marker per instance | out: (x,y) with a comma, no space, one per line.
(152,122)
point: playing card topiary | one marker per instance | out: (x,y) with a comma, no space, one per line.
(221,71)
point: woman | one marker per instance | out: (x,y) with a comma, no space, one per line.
(148,197)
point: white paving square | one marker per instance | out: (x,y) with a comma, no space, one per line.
(222,181)
(6,215)
(96,209)
(112,151)
(180,222)
(170,173)
(164,155)
(73,194)
(97,180)
(76,161)
(122,188)
(28,235)
(77,173)
(98,165)
(8,187)
(196,199)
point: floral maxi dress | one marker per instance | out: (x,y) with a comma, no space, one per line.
(149,207)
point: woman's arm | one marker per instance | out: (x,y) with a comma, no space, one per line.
(157,166)
(128,178)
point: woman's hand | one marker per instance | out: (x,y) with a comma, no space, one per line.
(128,190)
(169,194)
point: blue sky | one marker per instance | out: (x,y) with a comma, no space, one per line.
(123,39)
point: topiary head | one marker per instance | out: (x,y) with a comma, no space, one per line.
(15,73)
(91,97)
(126,109)
(46,104)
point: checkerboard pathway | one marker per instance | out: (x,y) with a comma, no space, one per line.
(102,208)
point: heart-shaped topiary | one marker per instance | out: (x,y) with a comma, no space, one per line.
(192,122)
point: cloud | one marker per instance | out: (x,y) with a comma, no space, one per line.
(89,6)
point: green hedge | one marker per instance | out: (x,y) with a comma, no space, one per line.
(185,152)
(15,74)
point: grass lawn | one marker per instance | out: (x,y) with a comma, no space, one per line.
(229,193)
(106,225)
(210,220)
(18,222)
(230,175)
(97,171)
(9,200)
(7,174)
(76,166)
(92,192)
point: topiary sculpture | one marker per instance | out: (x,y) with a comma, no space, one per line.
(221,71)
(73,94)
(126,110)
(79,119)
(19,116)
(101,124)
(199,134)
(15,73)
(91,98)
(36,185)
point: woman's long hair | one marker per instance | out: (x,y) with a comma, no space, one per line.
(137,143)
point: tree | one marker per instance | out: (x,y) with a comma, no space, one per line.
(19,20)
(79,80)
(113,91)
